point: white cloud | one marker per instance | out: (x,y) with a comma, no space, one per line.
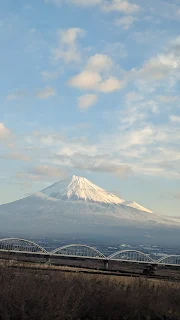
(69,36)
(45,93)
(123,6)
(42,173)
(48,171)
(5,133)
(170,9)
(99,63)
(120,5)
(27,176)
(67,48)
(110,85)
(119,170)
(86,3)
(16,156)
(154,69)
(133,96)
(94,163)
(151,146)
(165,66)
(95,76)
(80,3)
(169,60)
(142,136)
(86,101)
(51,139)
(69,55)
(86,80)
(125,22)
(140,105)
(168,99)
(175,119)
(42,94)
(140,148)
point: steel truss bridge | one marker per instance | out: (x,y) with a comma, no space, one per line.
(81,250)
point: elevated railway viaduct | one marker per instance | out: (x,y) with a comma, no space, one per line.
(84,256)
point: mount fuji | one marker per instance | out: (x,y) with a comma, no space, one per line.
(79,188)
(77,206)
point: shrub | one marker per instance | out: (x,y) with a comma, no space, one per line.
(46,295)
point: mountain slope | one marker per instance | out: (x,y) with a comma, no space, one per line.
(137,206)
(80,188)
(77,205)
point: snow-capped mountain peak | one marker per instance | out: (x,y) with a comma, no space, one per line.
(79,206)
(79,188)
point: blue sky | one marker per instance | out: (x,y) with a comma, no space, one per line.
(91,87)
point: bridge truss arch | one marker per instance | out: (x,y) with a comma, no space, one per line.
(170,259)
(131,255)
(17,244)
(80,250)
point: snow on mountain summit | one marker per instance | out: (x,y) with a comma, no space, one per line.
(79,188)
(77,205)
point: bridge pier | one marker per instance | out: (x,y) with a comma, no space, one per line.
(106,264)
(48,260)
